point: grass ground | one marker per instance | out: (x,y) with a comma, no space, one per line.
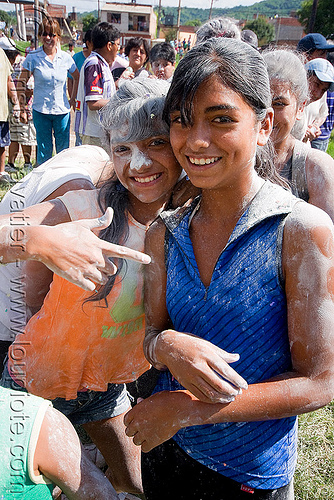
(21,46)
(314,478)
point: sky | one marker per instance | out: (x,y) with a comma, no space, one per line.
(89,5)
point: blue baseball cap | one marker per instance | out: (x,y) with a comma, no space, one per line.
(323,70)
(314,41)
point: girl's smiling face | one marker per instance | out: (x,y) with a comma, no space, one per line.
(148,168)
(220,144)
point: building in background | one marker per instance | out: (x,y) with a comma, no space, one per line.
(132,19)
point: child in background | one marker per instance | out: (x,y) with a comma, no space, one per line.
(162,59)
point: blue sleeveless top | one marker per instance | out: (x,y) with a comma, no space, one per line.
(243,310)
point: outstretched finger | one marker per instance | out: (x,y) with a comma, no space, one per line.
(112,250)
(84,283)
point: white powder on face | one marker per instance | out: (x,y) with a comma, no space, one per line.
(139,159)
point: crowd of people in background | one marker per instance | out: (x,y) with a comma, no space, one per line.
(210,157)
(50,116)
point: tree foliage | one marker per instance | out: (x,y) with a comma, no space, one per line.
(268,8)
(194,22)
(88,22)
(265,31)
(171,35)
(324,21)
(7,18)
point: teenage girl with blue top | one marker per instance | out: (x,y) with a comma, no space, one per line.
(247,268)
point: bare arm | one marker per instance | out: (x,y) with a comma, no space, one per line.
(308,262)
(69,86)
(73,95)
(11,89)
(320,180)
(60,457)
(21,93)
(96,105)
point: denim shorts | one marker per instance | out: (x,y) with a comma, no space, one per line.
(4,134)
(89,406)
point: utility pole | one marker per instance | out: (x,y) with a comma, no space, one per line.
(210,13)
(313,16)
(36,22)
(178,20)
(159,14)
(98,11)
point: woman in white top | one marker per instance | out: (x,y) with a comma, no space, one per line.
(51,108)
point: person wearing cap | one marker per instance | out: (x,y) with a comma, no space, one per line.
(314,46)
(6,43)
(325,73)
(320,79)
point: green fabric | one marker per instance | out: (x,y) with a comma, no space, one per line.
(18,411)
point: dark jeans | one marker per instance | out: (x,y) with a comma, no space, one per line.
(321,144)
(169,473)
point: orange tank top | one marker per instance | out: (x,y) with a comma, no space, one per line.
(69,346)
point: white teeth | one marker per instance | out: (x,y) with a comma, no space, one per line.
(143,180)
(203,161)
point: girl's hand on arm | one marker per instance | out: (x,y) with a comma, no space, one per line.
(198,365)
(158,418)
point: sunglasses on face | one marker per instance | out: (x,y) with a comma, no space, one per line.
(51,35)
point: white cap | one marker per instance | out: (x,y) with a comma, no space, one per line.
(5,44)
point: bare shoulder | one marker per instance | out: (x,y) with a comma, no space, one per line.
(308,234)
(319,162)
(306,217)
(320,180)
(72,185)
